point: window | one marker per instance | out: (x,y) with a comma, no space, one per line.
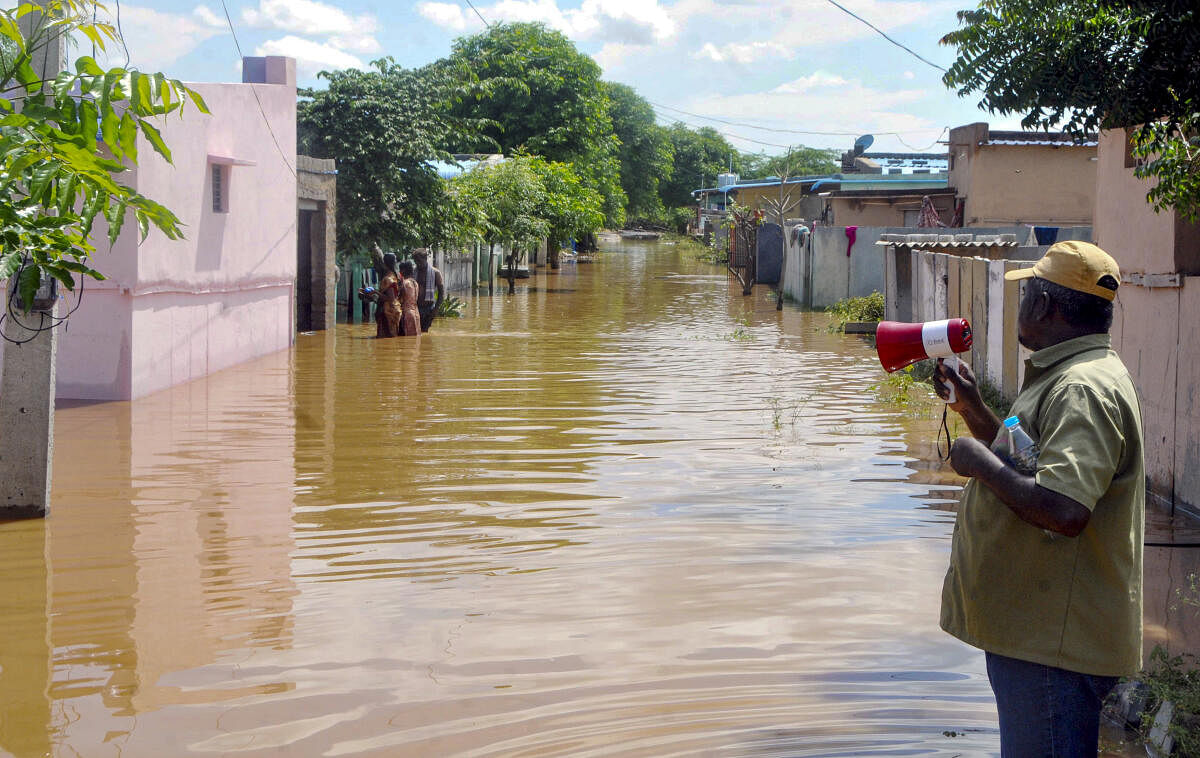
(220,188)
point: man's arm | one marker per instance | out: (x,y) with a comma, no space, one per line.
(441,293)
(1033,503)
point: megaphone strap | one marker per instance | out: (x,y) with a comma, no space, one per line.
(949,440)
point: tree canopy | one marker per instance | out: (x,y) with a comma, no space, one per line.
(1085,65)
(527,198)
(65,139)
(385,127)
(797,161)
(536,92)
(645,151)
(700,155)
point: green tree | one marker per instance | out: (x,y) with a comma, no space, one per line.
(570,208)
(64,142)
(384,127)
(699,155)
(1085,65)
(644,154)
(538,93)
(799,161)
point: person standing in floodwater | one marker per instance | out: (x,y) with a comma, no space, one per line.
(410,316)
(430,288)
(1046,568)
(386,297)
(389,299)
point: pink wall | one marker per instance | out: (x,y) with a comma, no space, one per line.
(1152,328)
(173,311)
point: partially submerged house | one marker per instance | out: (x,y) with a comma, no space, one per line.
(171,311)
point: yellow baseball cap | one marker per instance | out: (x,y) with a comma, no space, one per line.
(1075,265)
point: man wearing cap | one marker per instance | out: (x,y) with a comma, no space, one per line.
(429,284)
(1046,569)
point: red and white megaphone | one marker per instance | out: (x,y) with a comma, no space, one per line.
(900,344)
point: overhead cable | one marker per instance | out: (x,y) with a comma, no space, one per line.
(909,50)
(899,139)
(254,91)
(477,13)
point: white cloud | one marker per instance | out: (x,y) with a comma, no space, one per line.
(310,56)
(816,80)
(635,21)
(312,18)
(638,22)
(909,75)
(744,52)
(150,47)
(445,15)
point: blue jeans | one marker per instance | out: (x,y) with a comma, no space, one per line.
(1046,711)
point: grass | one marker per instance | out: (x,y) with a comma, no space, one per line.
(696,249)
(1175,679)
(866,308)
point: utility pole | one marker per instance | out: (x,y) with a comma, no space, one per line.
(27,385)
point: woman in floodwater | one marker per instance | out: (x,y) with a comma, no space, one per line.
(410,319)
(388,315)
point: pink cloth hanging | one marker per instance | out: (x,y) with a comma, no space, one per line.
(851,234)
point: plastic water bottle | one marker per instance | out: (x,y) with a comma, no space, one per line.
(1022,451)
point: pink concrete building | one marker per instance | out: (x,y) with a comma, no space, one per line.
(1158,306)
(172,311)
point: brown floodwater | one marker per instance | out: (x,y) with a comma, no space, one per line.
(625,511)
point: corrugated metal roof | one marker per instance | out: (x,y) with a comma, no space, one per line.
(1042,142)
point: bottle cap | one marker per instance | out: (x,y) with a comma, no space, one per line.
(1012,421)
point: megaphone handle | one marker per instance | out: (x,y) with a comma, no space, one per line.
(952,364)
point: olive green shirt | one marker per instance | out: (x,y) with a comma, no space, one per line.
(1020,591)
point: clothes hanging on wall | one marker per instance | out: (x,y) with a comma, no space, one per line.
(851,235)
(799,234)
(929,216)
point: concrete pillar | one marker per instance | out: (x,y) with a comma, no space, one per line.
(27,417)
(27,386)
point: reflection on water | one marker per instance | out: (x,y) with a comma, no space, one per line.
(624,511)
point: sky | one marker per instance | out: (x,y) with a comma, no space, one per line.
(780,72)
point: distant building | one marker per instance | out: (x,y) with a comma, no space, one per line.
(1003,178)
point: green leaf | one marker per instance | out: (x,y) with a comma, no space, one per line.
(195,97)
(27,286)
(40,181)
(88,123)
(91,33)
(115,214)
(155,139)
(110,126)
(128,136)
(85,64)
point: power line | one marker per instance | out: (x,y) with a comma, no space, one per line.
(254,92)
(897,135)
(909,50)
(899,139)
(754,126)
(477,13)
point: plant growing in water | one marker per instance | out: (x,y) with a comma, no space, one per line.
(451,307)
(866,308)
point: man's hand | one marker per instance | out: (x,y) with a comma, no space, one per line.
(968,403)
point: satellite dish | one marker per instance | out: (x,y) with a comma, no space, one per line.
(862,143)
